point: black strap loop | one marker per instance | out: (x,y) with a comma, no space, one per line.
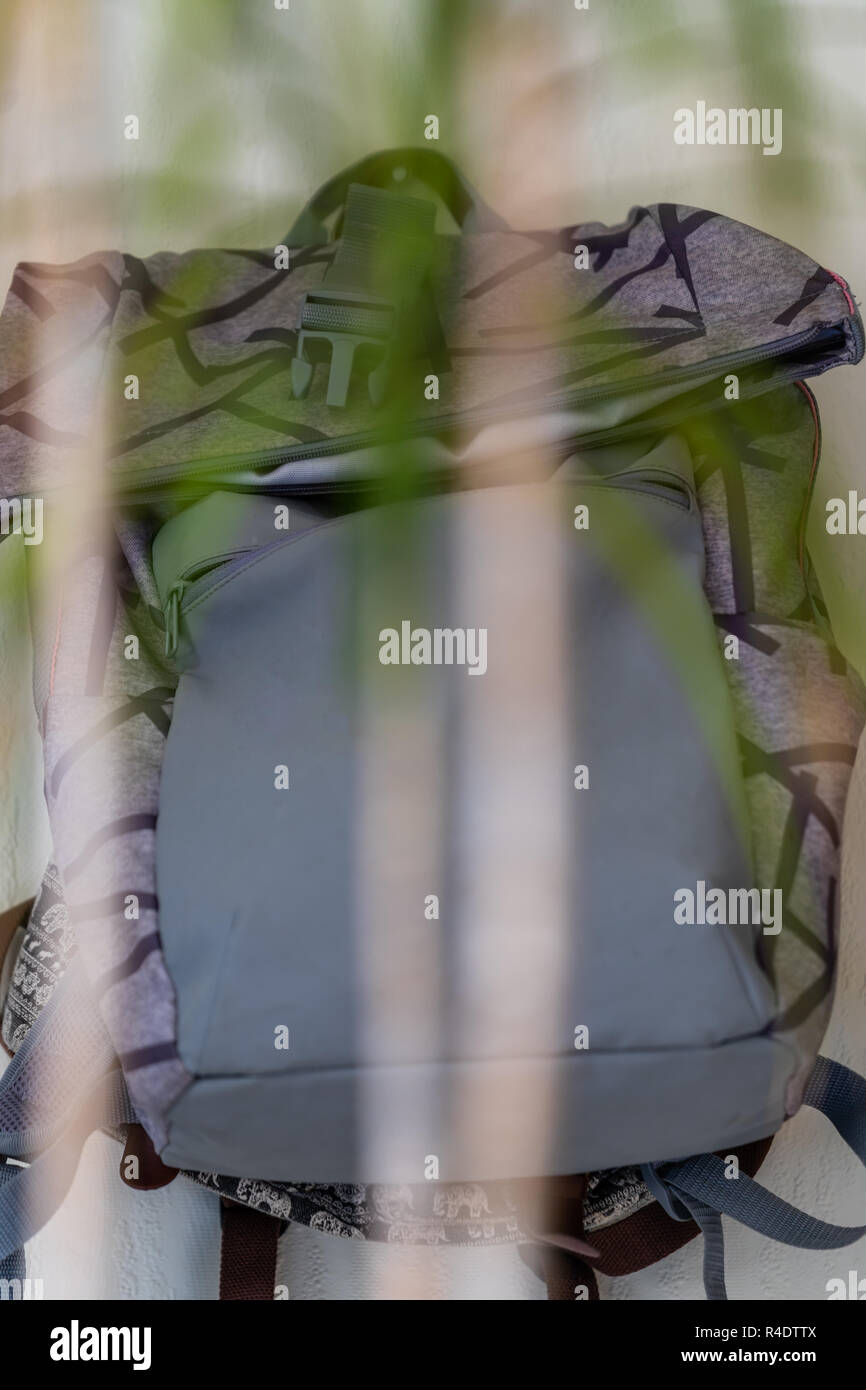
(385,170)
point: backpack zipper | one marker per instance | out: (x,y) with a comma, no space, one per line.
(444,424)
(191,588)
(174,598)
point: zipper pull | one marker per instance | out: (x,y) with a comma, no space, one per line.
(172,616)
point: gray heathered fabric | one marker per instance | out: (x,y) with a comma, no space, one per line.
(736,281)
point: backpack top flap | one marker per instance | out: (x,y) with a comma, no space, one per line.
(507,322)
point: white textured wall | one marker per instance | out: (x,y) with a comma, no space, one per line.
(563,119)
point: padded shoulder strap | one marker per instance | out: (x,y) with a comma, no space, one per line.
(30,1196)
(62,1083)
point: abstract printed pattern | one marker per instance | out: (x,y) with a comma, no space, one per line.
(213,331)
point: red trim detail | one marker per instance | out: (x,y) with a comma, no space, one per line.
(801,544)
(844,287)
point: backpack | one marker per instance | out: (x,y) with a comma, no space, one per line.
(445,743)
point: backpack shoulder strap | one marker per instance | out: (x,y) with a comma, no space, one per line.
(62,1083)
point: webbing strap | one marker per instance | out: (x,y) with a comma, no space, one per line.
(386,246)
(248,1253)
(701,1186)
(710,1223)
(840,1094)
(566,1276)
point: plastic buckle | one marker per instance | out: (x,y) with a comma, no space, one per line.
(344,342)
